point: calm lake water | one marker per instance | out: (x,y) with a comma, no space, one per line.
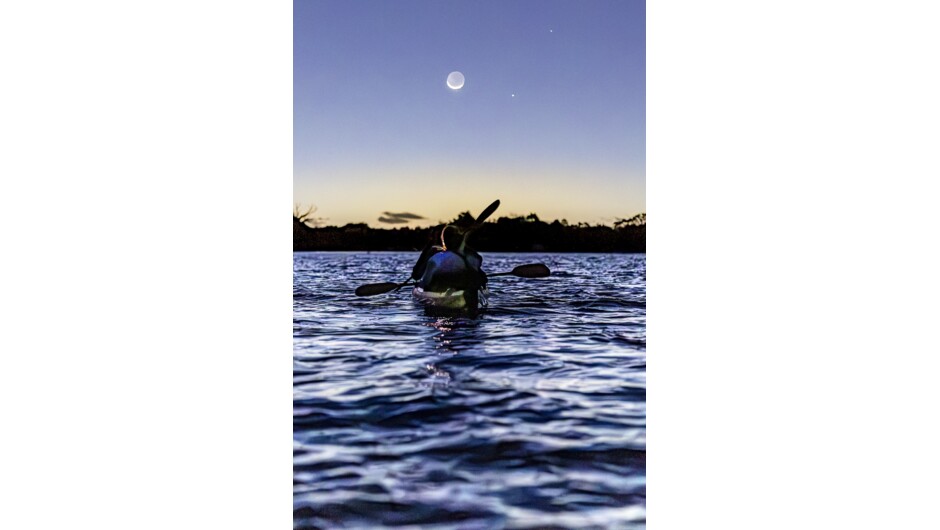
(530,415)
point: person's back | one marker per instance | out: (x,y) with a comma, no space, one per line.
(449,270)
(450,265)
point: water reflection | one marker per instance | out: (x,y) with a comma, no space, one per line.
(455,334)
(438,376)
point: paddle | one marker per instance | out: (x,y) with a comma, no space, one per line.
(372,289)
(478,223)
(532,270)
(485,214)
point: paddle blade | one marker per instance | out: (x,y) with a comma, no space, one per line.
(533,270)
(484,215)
(372,289)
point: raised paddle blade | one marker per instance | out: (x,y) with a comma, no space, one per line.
(484,215)
(478,223)
(372,289)
(533,270)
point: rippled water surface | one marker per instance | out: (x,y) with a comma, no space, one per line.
(529,415)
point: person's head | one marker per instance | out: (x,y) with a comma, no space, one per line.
(453,237)
(448,237)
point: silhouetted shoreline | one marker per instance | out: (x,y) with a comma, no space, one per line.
(506,234)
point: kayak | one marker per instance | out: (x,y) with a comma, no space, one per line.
(449,299)
(452,281)
(452,278)
(450,275)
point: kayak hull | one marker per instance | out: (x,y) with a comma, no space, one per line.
(452,299)
(449,299)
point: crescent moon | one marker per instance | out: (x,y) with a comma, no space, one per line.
(455,80)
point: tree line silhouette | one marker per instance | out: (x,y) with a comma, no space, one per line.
(505,234)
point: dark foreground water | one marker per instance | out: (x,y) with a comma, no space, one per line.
(531,415)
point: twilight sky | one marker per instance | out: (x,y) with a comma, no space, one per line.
(551,118)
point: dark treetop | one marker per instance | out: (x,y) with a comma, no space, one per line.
(506,234)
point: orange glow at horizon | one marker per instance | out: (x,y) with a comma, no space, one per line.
(439,196)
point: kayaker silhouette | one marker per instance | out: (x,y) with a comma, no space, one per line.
(449,274)
(448,264)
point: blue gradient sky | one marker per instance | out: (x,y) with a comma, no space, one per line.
(377,129)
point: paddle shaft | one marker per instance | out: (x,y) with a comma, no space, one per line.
(533,270)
